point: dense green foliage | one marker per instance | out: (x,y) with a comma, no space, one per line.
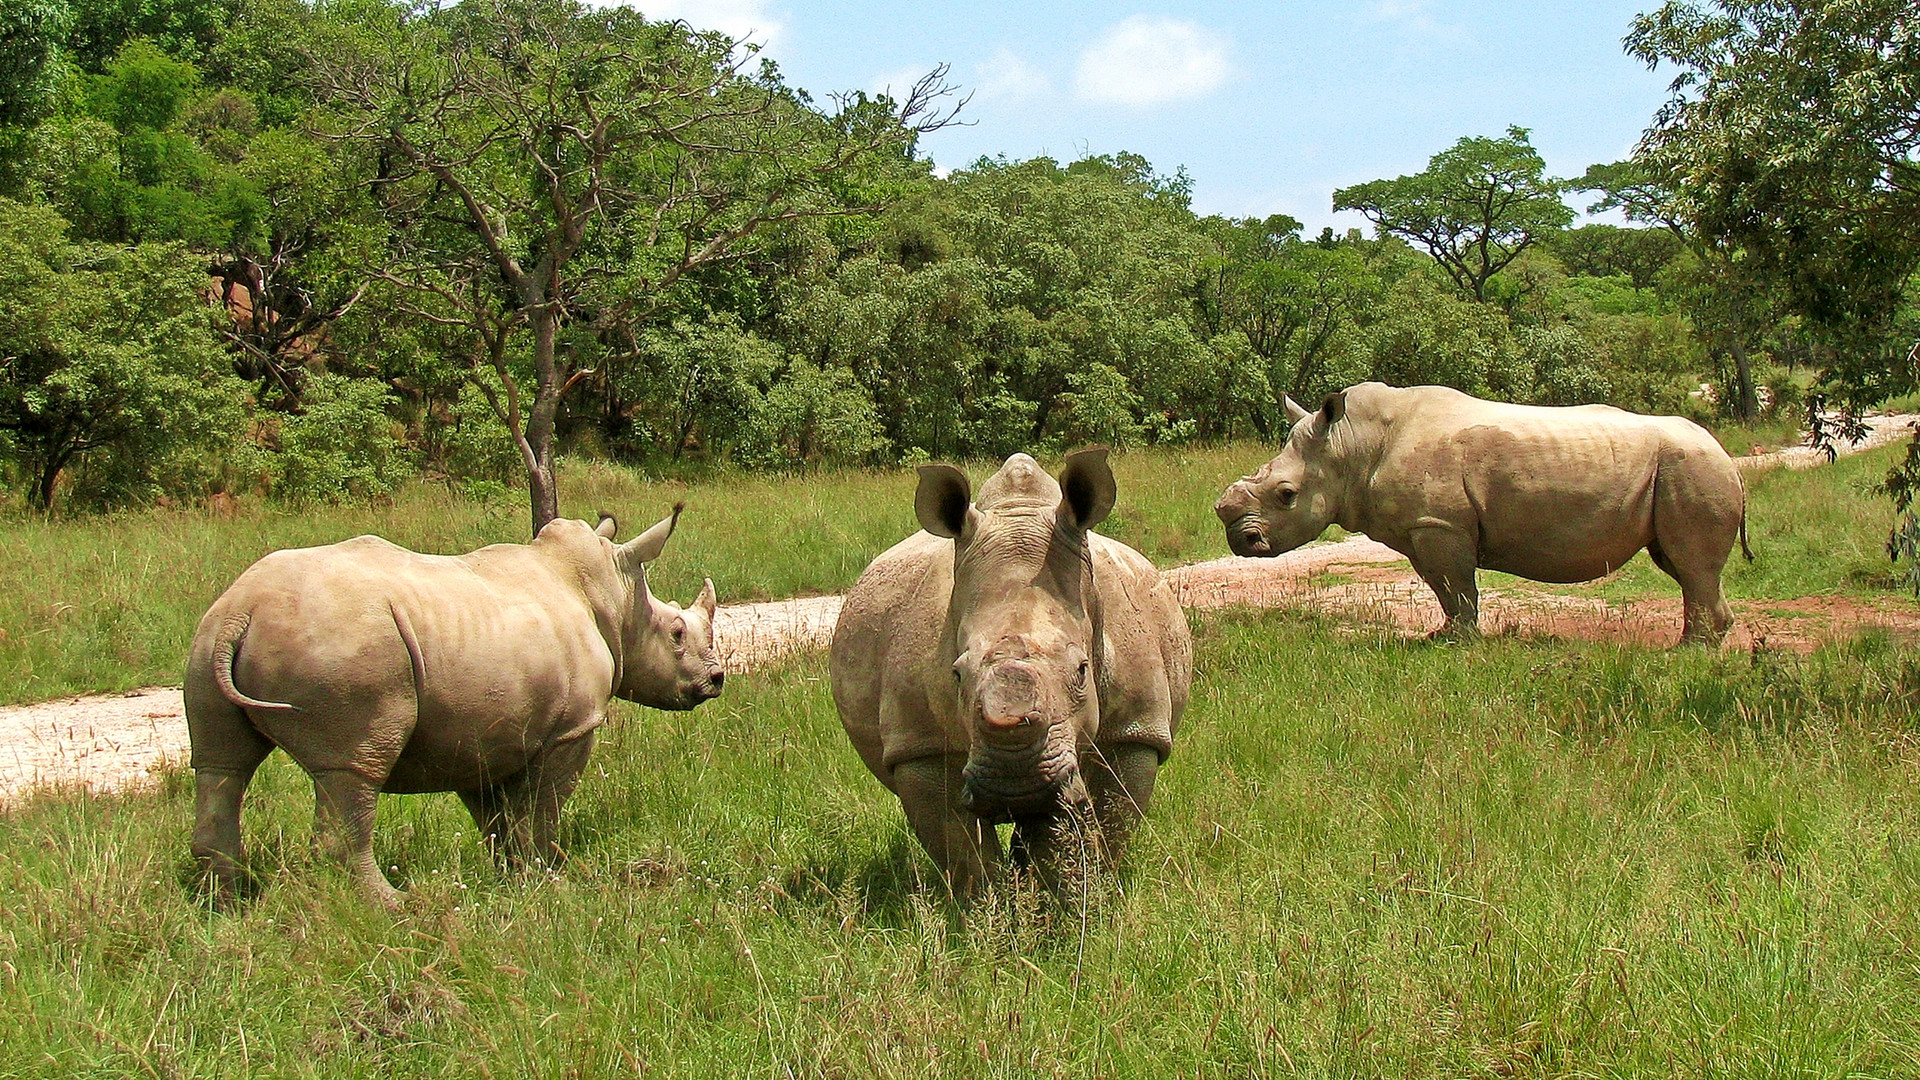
(521,229)
(1366,857)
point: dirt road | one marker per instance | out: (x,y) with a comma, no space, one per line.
(112,741)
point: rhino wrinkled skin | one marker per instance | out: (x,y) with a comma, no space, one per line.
(379,669)
(1456,483)
(1008,664)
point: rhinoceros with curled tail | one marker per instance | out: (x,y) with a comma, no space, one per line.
(1455,483)
(379,669)
(1008,664)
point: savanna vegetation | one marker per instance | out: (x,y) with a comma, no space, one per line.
(274,274)
(266,248)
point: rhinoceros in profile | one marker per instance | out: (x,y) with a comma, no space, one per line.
(379,669)
(1456,483)
(1008,664)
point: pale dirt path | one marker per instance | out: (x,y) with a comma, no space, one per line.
(110,742)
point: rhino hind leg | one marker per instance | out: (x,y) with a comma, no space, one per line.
(1706,617)
(1446,560)
(226,751)
(963,844)
(344,805)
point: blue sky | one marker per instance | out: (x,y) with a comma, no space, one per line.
(1270,106)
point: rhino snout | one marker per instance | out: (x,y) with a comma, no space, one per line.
(1247,538)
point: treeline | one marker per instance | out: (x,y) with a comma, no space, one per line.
(257,246)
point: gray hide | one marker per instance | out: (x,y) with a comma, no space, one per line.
(379,669)
(1456,483)
(1007,664)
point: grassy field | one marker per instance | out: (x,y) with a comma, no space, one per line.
(109,603)
(1367,857)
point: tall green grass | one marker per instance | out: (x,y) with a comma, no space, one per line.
(1366,857)
(109,603)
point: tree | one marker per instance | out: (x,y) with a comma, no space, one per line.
(1478,205)
(106,356)
(552,172)
(1724,291)
(1793,133)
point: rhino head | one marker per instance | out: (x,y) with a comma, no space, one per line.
(667,660)
(1292,499)
(1023,626)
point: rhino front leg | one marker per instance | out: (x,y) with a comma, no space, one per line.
(1120,780)
(1446,558)
(534,801)
(344,803)
(962,843)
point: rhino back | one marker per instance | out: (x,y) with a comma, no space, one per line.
(509,655)
(1553,494)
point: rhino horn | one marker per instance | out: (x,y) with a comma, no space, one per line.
(707,600)
(1295,413)
(1087,490)
(647,546)
(944,500)
(607,527)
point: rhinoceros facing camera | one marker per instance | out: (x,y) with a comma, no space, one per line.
(1009,664)
(379,669)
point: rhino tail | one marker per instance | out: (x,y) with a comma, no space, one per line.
(223,649)
(1744,549)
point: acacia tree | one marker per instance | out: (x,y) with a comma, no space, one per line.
(1793,132)
(1478,205)
(551,172)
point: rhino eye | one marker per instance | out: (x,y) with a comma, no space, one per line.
(1288,497)
(1080,677)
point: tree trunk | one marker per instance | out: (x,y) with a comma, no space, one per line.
(49,478)
(1745,404)
(543,494)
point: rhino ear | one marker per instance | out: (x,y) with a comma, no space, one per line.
(647,546)
(1087,490)
(1295,413)
(707,600)
(607,527)
(943,501)
(1333,409)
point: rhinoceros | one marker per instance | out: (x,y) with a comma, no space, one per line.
(380,669)
(1008,664)
(1455,483)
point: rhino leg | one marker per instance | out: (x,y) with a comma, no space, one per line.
(1120,780)
(226,751)
(964,844)
(344,803)
(488,805)
(532,801)
(1445,558)
(1706,614)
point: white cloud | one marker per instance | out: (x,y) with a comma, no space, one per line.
(1006,77)
(1150,59)
(738,19)
(1416,17)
